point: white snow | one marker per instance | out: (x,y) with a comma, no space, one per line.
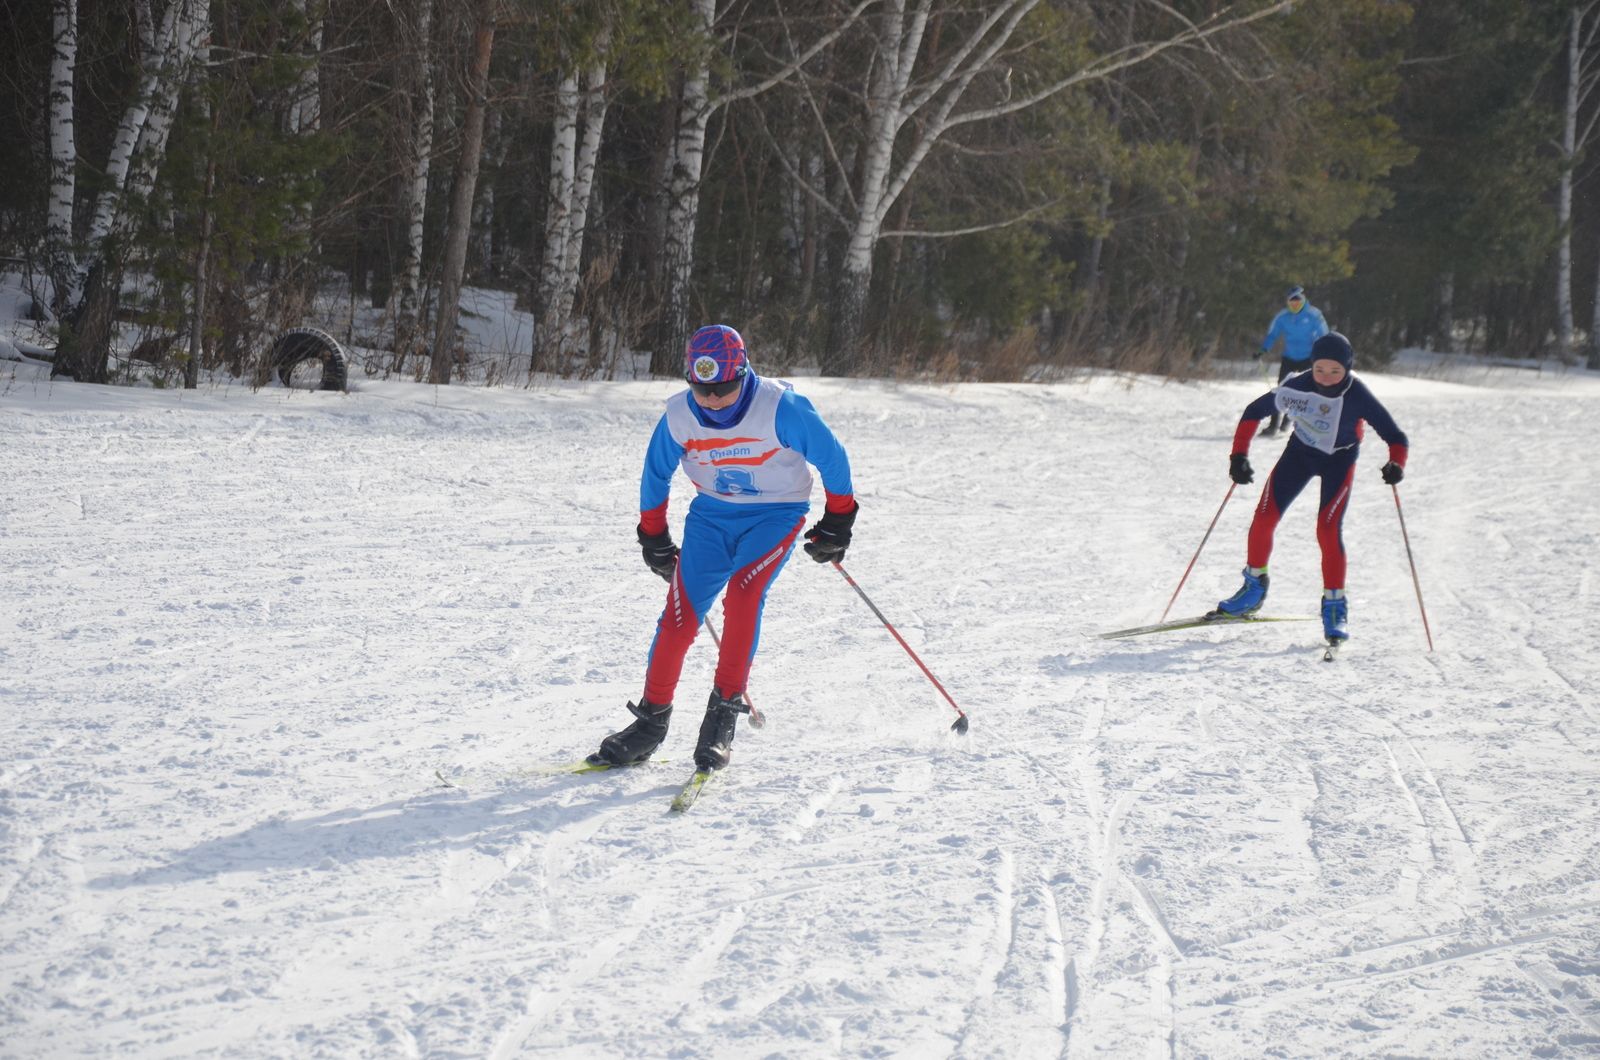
(240,629)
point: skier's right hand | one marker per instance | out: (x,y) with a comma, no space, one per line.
(660,554)
(1239,469)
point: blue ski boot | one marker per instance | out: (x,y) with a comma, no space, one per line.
(1248,600)
(1335,615)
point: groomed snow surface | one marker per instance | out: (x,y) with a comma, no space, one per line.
(239,630)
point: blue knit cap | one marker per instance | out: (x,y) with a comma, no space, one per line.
(1334,347)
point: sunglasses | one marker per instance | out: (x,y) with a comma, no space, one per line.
(1296,298)
(717,389)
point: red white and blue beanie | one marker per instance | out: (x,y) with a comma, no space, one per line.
(715,354)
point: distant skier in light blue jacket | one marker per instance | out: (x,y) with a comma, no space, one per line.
(1298,324)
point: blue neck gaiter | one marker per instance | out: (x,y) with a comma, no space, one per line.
(733,413)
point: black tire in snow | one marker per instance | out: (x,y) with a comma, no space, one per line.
(309,344)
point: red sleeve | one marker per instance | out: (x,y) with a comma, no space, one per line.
(840,503)
(1242,435)
(654,520)
(1397,453)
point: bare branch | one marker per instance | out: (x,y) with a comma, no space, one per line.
(952,233)
(795,64)
(799,179)
(827,137)
(1121,59)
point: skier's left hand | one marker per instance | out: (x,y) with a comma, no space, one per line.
(1392,473)
(830,536)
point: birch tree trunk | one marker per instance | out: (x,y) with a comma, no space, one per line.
(899,41)
(404,296)
(202,264)
(683,203)
(304,119)
(483,219)
(572,167)
(557,229)
(461,195)
(63,156)
(86,339)
(1444,332)
(1569,149)
(595,105)
(157,91)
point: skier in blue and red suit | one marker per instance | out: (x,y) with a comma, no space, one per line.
(744,442)
(1326,407)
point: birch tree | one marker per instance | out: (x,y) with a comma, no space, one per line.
(572,166)
(459,225)
(63,154)
(405,295)
(917,93)
(131,171)
(1579,118)
(1577,131)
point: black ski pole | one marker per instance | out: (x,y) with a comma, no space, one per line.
(758,720)
(960,724)
(1416,583)
(1203,541)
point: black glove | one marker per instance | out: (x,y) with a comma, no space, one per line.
(1392,473)
(660,554)
(1239,469)
(1258,355)
(830,536)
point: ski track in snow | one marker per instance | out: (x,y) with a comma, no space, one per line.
(239,631)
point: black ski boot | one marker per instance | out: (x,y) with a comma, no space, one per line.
(715,747)
(639,740)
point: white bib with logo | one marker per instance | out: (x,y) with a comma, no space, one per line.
(1315,418)
(743,463)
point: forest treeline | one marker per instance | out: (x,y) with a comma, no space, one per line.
(966,187)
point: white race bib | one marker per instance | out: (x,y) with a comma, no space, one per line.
(1315,418)
(743,463)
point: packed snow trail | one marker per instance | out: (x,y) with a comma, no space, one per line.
(239,631)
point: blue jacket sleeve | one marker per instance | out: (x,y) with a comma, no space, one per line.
(1322,324)
(1274,333)
(800,428)
(660,461)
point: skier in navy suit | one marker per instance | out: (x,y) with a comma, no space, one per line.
(1326,408)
